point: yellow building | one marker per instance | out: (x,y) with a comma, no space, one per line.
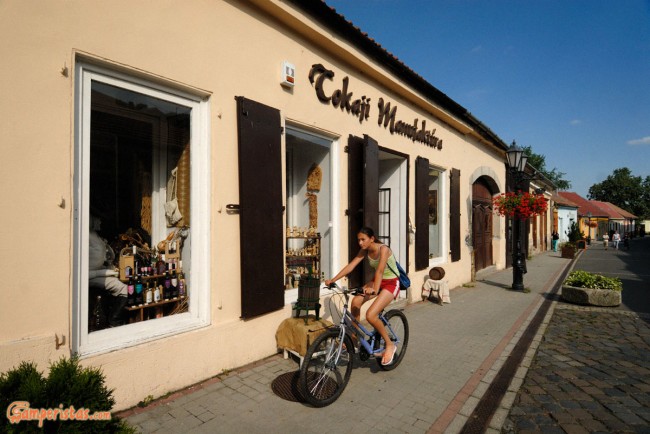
(230,128)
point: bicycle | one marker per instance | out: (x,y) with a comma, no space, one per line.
(327,365)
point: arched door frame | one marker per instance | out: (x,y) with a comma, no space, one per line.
(482,224)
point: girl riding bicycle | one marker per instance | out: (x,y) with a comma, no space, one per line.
(383,288)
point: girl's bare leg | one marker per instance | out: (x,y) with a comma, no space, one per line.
(372,315)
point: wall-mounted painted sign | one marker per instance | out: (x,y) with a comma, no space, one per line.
(342,98)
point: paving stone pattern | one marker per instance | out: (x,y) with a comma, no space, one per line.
(591,374)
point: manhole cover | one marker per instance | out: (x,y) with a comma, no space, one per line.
(286,386)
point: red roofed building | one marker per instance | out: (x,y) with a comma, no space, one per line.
(619,219)
(597,217)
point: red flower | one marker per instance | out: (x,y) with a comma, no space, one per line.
(524,205)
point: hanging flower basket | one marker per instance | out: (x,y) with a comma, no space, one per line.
(593,224)
(525,205)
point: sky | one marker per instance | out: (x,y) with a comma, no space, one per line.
(569,78)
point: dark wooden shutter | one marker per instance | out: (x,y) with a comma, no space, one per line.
(260,208)
(454,214)
(363,198)
(421,213)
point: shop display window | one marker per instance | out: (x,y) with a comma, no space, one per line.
(135,203)
(308,207)
(435,224)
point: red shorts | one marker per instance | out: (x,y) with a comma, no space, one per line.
(390,285)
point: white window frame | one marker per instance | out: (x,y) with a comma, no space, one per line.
(291,295)
(84,343)
(443,216)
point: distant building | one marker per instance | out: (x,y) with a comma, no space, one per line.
(565,213)
(597,217)
(619,219)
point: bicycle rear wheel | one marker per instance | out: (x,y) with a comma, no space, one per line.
(326,368)
(398,330)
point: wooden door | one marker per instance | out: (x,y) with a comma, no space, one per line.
(482,225)
(363,197)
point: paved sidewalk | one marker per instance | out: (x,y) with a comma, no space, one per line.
(591,372)
(455,351)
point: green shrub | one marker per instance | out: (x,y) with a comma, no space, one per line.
(67,384)
(574,234)
(584,279)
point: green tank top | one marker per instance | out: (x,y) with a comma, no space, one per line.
(391,264)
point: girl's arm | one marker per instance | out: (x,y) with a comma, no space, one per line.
(348,268)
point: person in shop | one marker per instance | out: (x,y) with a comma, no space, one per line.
(102,274)
(605,240)
(383,289)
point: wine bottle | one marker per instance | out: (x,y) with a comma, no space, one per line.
(148,295)
(130,288)
(160,265)
(98,321)
(181,285)
(174,279)
(157,292)
(138,291)
(168,284)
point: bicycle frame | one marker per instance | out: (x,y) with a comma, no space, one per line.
(349,321)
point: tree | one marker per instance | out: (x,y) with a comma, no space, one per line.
(632,193)
(538,161)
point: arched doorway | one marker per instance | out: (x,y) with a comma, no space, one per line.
(482,223)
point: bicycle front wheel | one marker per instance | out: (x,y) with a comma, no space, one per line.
(398,330)
(326,368)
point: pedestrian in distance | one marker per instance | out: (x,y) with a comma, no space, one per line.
(605,240)
(626,241)
(616,238)
(383,289)
(555,239)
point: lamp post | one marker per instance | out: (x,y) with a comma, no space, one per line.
(589,228)
(517,164)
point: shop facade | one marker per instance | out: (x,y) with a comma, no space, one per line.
(239,146)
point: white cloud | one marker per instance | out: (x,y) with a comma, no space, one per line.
(575,122)
(476,49)
(643,141)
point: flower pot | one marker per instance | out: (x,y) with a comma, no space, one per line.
(591,297)
(568,252)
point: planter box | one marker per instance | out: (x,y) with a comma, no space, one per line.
(591,297)
(569,252)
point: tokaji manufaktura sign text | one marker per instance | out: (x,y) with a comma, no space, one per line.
(360,108)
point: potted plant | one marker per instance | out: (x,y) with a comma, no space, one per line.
(582,287)
(568,250)
(575,235)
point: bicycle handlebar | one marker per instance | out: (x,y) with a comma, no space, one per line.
(346,290)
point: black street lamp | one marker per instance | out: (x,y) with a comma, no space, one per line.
(589,228)
(517,165)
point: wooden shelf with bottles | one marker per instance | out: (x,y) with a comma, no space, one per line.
(137,313)
(302,258)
